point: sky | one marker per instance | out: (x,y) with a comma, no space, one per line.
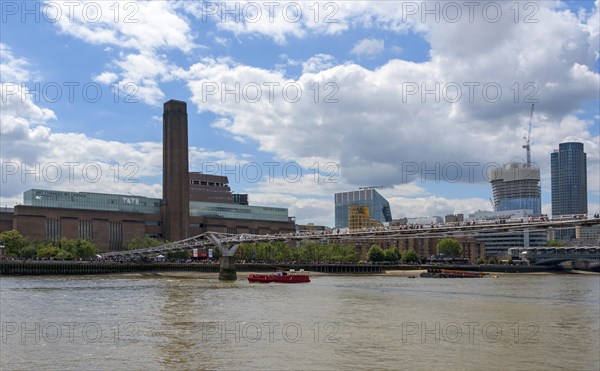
(295,101)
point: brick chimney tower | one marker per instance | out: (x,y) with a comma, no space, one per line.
(175,207)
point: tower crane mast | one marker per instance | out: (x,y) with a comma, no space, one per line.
(527,145)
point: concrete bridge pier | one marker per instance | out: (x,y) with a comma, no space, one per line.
(227,270)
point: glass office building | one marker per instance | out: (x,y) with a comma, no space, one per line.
(91,201)
(569,179)
(379,207)
(516,186)
(138,204)
(235,211)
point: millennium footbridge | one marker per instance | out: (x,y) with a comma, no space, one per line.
(229,243)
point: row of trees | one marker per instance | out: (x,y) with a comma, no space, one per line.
(16,245)
(142,243)
(147,242)
(377,254)
(280,251)
(449,247)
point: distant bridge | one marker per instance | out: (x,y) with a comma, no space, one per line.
(556,255)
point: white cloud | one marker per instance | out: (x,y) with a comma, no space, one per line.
(377,132)
(13,69)
(281,21)
(435,206)
(222,41)
(34,156)
(141,30)
(368,47)
(318,63)
(106,78)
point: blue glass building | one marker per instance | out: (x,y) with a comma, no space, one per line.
(568,168)
(379,207)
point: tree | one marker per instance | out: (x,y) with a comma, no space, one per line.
(492,261)
(86,249)
(347,253)
(480,261)
(48,251)
(390,256)
(28,252)
(410,256)
(216,252)
(14,243)
(376,254)
(142,243)
(64,255)
(308,252)
(553,243)
(78,248)
(281,251)
(184,254)
(247,251)
(449,247)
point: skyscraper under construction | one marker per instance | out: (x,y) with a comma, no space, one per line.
(516,186)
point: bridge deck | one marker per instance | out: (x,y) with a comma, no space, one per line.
(207,239)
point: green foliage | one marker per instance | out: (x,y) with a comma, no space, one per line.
(48,251)
(480,261)
(27,252)
(142,243)
(449,247)
(14,243)
(78,248)
(376,254)
(64,255)
(492,261)
(245,251)
(310,251)
(553,243)
(216,253)
(391,255)
(410,256)
(178,255)
(18,246)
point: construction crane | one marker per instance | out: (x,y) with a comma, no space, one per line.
(527,145)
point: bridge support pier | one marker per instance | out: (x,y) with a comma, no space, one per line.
(227,260)
(227,270)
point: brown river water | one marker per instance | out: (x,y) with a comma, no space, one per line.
(193,321)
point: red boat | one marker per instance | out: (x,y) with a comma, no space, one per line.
(280,277)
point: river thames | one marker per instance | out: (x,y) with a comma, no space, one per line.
(193,321)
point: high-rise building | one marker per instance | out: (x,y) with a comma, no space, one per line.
(379,207)
(516,186)
(176,199)
(569,179)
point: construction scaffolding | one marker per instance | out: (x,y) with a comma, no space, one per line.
(359,217)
